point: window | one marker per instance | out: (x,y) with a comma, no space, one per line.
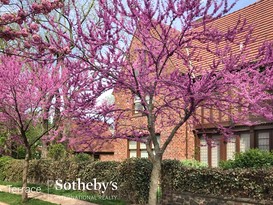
(143,151)
(244,142)
(203,151)
(137,104)
(132,149)
(231,148)
(263,141)
(210,150)
(138,149)
(211,153)
(138,107)
(215,151)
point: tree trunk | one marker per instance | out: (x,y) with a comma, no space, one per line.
(44,151)
(155,178)
(25,175)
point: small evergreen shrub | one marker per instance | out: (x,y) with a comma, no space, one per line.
(193,163)
(255,158)
(57,151)
(14,170)
(20,152)
(3,163)
(82,158)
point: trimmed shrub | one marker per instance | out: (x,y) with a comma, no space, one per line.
(255,158)
(102,171)
(40,171)
(133,180)
(133,175)
(14,170)
(246,183)
(57,151)
(3,163)
(82,158)
(193,163)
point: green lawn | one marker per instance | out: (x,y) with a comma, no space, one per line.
(85,196)
(14,199)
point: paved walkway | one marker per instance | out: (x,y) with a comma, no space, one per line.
(62,200)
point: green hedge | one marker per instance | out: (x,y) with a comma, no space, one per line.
(133,175)
(57,152)
(193,163)
(40,171)
(4,161)
(134,179)
(13,170)
(255,158)
(248,183)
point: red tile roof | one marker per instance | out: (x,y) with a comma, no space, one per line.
(258,15)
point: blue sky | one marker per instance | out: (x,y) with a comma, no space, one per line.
(242,4)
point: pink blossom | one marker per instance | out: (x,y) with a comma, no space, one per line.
(36,38)
(36,7)
(34,27)
(27,44)
(53,49)
(66,50)
(7,17)
(24,32)
(5,1)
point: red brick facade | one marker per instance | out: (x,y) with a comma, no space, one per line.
(181,147)
(185,145)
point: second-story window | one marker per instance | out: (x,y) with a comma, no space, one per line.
(138,107)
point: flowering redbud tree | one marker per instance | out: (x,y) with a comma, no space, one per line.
(179,60)
(44,32)
(24,87)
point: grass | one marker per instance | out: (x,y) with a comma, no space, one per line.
(85,196)
(14,199)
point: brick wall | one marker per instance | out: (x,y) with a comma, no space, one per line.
(181,147)
(121,151)
(197,199)
(107,157)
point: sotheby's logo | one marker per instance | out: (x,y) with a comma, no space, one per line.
(83,186)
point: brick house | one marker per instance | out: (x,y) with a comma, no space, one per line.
(188,142)
(259,136)
(99,147)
